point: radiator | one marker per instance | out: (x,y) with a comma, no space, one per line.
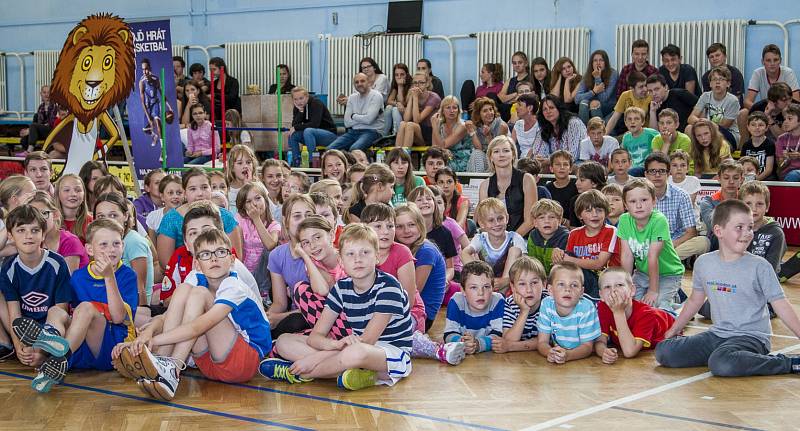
(692,37)
(550,43)
(183,51)
(344,54)
(255,62)
(44,63)
(3,84)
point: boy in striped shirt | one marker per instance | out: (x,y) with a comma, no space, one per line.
(376,309)
(475,315)
(568,323)
(522,307)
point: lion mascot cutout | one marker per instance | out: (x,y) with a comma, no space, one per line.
(95,71)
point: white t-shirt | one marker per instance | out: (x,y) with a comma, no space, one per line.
(480,243)
(588,151)
(154,218)
(238,267)
(760,84)
(525,138)
(382,85)
(690,184)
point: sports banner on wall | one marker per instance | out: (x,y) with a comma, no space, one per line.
(150,102)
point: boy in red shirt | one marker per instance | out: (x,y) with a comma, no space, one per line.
(628,324)
(593,246)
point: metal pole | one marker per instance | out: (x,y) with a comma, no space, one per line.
(223,140)
(280,115)
(213,124)
(785,35)
(163,122)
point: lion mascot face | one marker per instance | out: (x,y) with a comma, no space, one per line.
(95,71)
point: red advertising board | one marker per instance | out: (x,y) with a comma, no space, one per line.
(785,208)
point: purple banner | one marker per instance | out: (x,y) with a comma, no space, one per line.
(153,49)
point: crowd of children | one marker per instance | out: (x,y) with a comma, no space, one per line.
(258,270)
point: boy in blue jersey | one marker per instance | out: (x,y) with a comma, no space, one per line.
(219,321)
(105,300)
(568,323)
(377,310)
(475,314)
(34,283)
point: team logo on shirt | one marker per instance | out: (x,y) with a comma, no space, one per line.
(32,301)
(722,287)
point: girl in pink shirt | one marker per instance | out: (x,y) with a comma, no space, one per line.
(259,231)
(57,239)
(198,148)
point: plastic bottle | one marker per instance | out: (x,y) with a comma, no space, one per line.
(315,162)
(379,155)
(289,158)
(304,157)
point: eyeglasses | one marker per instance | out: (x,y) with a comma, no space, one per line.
(657,171)
(420,83)
(369,66)
(218,253)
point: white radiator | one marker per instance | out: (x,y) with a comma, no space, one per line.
(255,62)
(345,53)
(3,84)
(43,66)
(182,50)
(692,37)
(550,43)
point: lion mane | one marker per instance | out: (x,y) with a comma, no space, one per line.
(95,30)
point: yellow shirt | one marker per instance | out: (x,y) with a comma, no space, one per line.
(626,100)
(724,153)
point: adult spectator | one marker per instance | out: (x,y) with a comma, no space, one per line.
(39,168)
(377,79)
(526,128)
(312,124)
(514,187)
(484,126)
(398,96)
(232,99)
(565,80)
(508,95)
(450,133)
(596,93)
(491,85)
(42,124)
(424,66)
(768,74)
(197,74)
(677,206)
(559,128)
(285,77)
(717,55)
(677,74)
(363,117)
(663,97)
(640,52)
(415,129)
(179,74)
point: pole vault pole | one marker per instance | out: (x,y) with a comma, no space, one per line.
(223,139)
(127,150)
(280,115)
(213,124)
(163,120)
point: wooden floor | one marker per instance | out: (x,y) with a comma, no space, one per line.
(487,392)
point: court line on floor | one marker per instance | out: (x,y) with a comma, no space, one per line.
(349,403)
(169,404)
(687,419)
(630,398)
(789,337)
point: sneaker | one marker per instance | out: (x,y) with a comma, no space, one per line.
(148,366)
(278,369)
(6,352)
(795,369)
(120,367)
(162,388)
(33,334)
(51,373)
(451,353)
(357,378)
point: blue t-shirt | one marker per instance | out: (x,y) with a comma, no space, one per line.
(386,296)
(432,293)
(569,332)
(511,314)
(137,246)
(90,287)
(39,288)
(172,225)
(461,319)
(247,313)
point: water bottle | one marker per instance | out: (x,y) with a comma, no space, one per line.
(379,155)
(315,162)
(304,157)
(289,157)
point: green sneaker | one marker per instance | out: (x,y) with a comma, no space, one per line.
(278,369)
(357,378)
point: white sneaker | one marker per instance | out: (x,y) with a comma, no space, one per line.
(452,353)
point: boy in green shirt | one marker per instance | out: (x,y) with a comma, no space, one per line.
(638,139)
(670,139)
(547,233)
(646,245)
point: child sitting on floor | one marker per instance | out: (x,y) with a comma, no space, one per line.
(475,314)
(626,323)
(522,307)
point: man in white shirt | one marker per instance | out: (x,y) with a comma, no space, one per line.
(363,117)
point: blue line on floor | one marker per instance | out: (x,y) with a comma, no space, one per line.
(169,404)
(684,418)
(351,404)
